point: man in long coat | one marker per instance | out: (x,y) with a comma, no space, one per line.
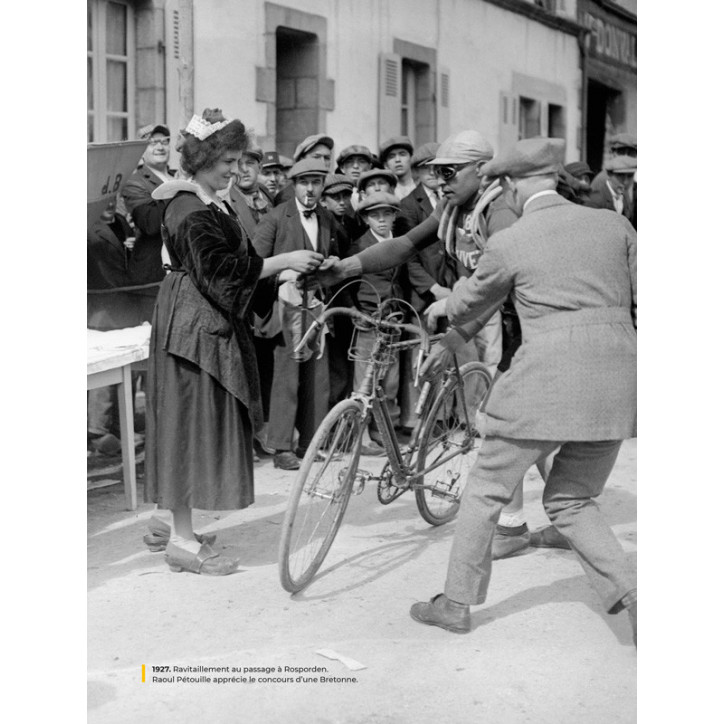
(572,383)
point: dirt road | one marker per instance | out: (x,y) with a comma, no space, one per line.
(542,649)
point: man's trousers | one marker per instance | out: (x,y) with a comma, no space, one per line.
(577,477)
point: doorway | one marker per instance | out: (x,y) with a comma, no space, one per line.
(604,114)
(297,88)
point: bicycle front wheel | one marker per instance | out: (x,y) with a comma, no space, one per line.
(449,442)
(320,495)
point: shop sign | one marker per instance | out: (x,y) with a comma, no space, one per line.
(608,41)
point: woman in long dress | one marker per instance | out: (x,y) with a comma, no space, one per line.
(203,384)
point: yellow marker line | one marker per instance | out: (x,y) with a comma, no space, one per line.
(143,673)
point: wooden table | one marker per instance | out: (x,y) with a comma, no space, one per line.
(111,356)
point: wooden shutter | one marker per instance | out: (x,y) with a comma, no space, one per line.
(443,103)
(390,95)
(509,111)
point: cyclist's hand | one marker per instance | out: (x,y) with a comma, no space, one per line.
(439,359)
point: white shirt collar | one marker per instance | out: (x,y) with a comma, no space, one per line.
(547,192)
(301,207)
(378,237)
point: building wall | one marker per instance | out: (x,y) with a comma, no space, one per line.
(483,46)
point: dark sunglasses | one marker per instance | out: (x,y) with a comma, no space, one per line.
(449,172)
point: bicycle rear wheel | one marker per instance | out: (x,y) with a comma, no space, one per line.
(320,495)
(450,432)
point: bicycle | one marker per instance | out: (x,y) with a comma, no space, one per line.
(434,464)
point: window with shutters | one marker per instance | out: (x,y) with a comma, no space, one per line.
(110,70)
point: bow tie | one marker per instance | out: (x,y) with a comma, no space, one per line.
(308,213)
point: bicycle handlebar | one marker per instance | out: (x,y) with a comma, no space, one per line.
(361,317)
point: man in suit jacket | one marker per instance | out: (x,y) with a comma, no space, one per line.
(615,193)
(300,390)
(572,383)
(147,213)
(317,147)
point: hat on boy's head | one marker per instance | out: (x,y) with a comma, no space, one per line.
(255,152)
(424,153)
(147,131)
(270,159)
(376,173)
(623,140)
(308,167)
(578,169)
(394,142)
(621,164)
(462,147)
(354,151)
(310,142)
(529,157)
(379,200)
(337,182)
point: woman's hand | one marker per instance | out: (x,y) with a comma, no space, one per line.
(303,261)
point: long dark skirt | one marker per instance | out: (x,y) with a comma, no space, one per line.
(198,439)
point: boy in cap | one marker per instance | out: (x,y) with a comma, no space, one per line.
(336,197)
(300,389)
(317,147)
(396,155)
(353,161)
(379,211)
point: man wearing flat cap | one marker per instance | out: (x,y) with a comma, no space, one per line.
(620,144)
(615,193)
(396,155)
(570,387)
(300,387)
(317,147)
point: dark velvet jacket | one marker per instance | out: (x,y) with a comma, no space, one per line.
(213,289)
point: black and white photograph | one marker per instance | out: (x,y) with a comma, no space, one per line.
(361,361)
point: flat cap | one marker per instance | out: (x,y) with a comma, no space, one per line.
(354,151)
(310,142)
(623,140)
(336,182)
(379,200)
(394,142)
(270,159)
(254,152)
(463,147)
(424,153)
(308,167)
(529,157)
(376,173)
(147,131)
(578,168)
(621,164)
(285,161)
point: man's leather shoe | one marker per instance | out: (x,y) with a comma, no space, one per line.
(441,611)
(286,460)
(508,541)
(549,537)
